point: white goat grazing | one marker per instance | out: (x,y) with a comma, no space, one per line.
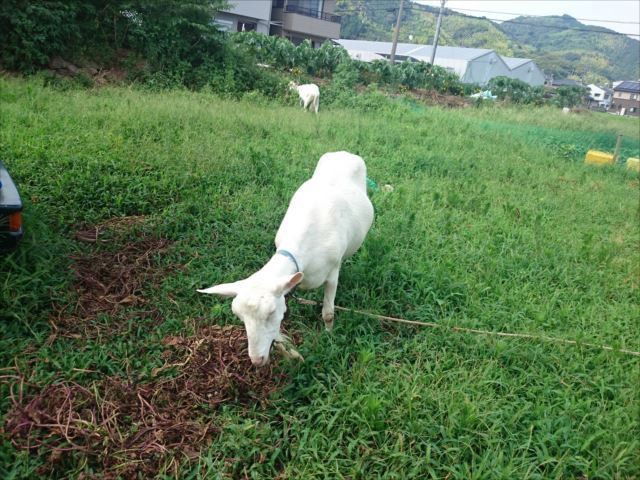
(326,222)
(309,95)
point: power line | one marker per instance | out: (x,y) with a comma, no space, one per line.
(386,4)
(538,16)
(557,27)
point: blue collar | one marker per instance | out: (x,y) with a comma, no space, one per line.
(290,255)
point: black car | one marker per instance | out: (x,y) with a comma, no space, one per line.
(10,211)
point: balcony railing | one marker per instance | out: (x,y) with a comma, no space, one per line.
(312,13)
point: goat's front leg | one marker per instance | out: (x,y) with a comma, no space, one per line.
(330,288)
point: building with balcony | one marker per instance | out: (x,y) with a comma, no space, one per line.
(298,20)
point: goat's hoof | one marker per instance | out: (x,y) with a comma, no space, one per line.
(328,323)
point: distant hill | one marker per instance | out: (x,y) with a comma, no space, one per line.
(586,56)
(575,53)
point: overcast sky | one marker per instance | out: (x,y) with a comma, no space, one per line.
(614,10)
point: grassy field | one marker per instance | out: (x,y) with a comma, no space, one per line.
(494,223)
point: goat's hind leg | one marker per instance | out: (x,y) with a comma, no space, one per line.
(328,308)
(307,104)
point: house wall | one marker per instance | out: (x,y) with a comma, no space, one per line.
(625,95)
(631,107)
(599,96)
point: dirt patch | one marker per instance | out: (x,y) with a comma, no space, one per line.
(110,278)
(136,430)
(124,426)
(99,75)
(431,97)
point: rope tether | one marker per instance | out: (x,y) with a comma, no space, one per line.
(304,301)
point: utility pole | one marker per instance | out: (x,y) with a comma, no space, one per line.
(395,35)
(435,37)
(616,152)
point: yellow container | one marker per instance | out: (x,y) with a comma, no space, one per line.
(594,157)
(633,164)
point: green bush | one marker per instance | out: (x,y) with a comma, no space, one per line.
(333,60)
(32,32)
(515,91)
(410,75)
(180,47)
(173,35)
(568,96)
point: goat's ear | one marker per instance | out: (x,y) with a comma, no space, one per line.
(288,283)
(224,289)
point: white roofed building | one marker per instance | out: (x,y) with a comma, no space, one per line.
(526,70)
(472,65)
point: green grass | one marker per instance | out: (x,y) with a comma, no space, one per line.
(494,223)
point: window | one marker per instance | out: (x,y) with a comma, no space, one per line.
(247,26)
(311,5)
(634,96)
(223,25)
(597,95)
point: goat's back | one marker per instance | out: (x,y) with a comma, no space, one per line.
(340,167)
(309,89)
(328,217)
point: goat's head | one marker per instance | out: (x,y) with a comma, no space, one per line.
(261,308)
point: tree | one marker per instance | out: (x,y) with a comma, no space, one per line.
(31,32)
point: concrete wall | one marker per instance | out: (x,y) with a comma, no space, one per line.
(294,22)
(256,11)
(260,9)
(329,6)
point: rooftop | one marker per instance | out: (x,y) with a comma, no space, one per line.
(565,82)
(413,50)
(513,62)
(633,87)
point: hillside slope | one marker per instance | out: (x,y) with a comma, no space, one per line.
(568,52)
(364,20)
(552,42)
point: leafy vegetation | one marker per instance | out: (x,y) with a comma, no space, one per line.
(173,35)
(516,91)
(494,223)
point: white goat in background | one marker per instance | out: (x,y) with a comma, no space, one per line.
(327,220)
(309,95)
